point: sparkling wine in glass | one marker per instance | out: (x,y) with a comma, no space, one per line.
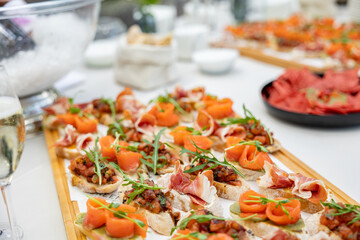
(12,137)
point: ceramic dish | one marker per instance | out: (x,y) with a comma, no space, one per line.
(215,61)
(329,120)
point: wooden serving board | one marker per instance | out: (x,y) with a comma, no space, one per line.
(70,208)
(267,58)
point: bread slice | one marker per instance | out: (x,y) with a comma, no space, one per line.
(276,146)
(261,229)
(229,191)
(67,152)
(306,205)
(249,175)
(161,223)
(183,202)
(316,229)
(97,233)
(84,185)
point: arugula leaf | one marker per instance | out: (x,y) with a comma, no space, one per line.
(95,156)
(190,236)
(117,147)
(264,201)
(138,186)
(256,143)
(199,218)
(209,157)
(341,210)
(248,117)
(119,214)
(167,99)
(116,127)
(111,104)
(155,156)
(74,110)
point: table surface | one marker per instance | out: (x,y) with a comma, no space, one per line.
(331,152)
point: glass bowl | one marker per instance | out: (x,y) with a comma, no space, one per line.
(41,42)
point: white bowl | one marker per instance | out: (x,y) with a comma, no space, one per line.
(215,61)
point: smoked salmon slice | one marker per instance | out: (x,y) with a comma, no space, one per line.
(200,141)
(94,217)
(107,150)
(85,125)
(276,214)
(179,134)
(164,114)
(221,109)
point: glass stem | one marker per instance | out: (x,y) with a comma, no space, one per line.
(9,213)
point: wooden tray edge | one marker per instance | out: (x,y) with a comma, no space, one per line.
(69,208)
(297,165)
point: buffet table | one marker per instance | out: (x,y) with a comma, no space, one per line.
(331,152)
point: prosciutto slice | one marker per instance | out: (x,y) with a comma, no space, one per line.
(60,106)
(279,235)
(129,102)
(190,96)
(146,124)
(200,190)
(205,123)
(69,138)
(232,130)
(308,188)
(85,142)
(275,177)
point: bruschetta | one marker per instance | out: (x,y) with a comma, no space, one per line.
(228,181)
(248,157)
(278,183)
(337,221)
(104,221)
(202,224)
(187,194)
(92,174)
(263,215)
(152,203)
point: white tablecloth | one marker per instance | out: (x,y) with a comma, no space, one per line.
(334,153)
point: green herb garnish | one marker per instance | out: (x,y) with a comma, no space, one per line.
(117,147)
(190,236)
(116,127)
(248,117)
(119,214)
(199,218)
(95,156)
(341,210)
(138,187)
(111,104)
(256,143)
(209,157)
(155,157)
(264,201)
(167,99)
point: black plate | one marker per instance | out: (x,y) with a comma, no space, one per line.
(330,120)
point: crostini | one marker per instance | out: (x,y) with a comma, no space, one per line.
(337,221)
(104,221)
(228,181)
(92,174)
(202,224)
(72,144)
(186,194)
(278,183)
(150,201)
(263,215)
(248,157)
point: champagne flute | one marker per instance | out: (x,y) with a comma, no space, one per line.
(12,137)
